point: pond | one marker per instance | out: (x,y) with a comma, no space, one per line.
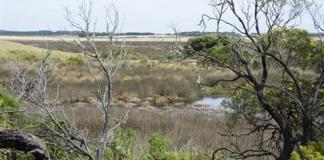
(211,102)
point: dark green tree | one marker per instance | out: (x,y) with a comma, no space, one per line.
(281,70)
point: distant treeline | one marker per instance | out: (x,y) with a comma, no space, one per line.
(61,33)
(198,33)
(37,33)
(80,34)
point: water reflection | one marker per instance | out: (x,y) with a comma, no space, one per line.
(211,102)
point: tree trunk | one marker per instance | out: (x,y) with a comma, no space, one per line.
(308,128)
(288,146)
(286,152)
(10,139)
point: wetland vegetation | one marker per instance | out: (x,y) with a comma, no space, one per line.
(253,95)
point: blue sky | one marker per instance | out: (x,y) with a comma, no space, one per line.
(138,15)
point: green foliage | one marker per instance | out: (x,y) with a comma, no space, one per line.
(73,60)
(204,43)
(214,46)
(15,155)
(159,150)
(23,55)
(7,101)
(57,153)
(300,48)
(122,145)
(158,147)
(243,102)
(313,151)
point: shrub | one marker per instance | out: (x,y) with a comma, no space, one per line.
(122,145)
(159,150)
(313,151)
(209,44)
(158,147)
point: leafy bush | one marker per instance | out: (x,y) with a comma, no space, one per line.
(313,151)
(159,150)
(216,46)
(158,147)
(206,43)
(122,145)
(304,51)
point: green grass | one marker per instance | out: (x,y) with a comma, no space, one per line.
(7,101)
(20,52)
(73,60)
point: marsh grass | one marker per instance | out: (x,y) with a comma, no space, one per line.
(153,50)
(141,78)
(187,130)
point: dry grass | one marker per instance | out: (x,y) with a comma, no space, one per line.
(188,130)
(154,50)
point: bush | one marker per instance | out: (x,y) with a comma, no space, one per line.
(158,147)
(313,151)
(122,145)
(217,46)
(205,43)
(159,150)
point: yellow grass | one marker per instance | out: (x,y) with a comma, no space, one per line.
(11,50)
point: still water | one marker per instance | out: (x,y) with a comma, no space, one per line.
(211,102)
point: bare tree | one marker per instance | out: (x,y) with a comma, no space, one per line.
(32,90)
(108,62)
(176,31)
(285,114)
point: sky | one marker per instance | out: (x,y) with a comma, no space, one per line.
(138,15)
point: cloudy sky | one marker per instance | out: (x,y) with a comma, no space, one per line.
(138,15)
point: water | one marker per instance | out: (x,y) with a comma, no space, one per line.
(211,102)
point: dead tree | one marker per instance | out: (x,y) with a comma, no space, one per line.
(109,62)
(71,138)
(289,113)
